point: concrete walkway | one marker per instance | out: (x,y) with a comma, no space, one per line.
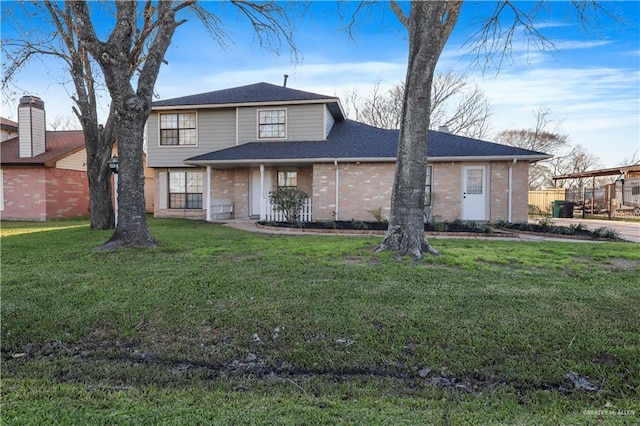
(250,225)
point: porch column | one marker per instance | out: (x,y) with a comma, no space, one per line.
(263,207)
(208,197)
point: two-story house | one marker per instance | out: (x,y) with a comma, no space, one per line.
(217,155)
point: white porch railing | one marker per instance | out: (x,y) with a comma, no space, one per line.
(304,215)
(221,209)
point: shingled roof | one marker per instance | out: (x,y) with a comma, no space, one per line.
(59,144)
(259,93)
(354,141)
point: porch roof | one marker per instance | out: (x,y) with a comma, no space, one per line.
(353,141)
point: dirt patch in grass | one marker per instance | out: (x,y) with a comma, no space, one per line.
(611,264)
(617,263)
(87,361)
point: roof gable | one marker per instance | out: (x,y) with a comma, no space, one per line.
(259,92)
(264,93)
(59,144)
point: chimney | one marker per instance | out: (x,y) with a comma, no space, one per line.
(31,126)
(444,129)
(286,76)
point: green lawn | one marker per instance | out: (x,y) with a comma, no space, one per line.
(219,326)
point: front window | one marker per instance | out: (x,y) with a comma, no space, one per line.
(427,187)
(287,179)
(272,124)
(178,129)
(185,190)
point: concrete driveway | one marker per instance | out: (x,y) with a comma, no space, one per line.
(630,231)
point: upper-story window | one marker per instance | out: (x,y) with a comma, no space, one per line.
(178,129)
(272,124)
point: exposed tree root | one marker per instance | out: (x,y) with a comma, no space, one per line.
(405,243)
(119,240)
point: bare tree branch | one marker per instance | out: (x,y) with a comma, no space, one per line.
(402,17)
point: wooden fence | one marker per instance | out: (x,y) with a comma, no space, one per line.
(540,200)
(304,215)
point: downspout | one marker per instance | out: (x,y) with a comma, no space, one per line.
(208,193)
(335,163)
(263,208)
(510,208)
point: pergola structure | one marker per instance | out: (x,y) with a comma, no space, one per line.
(626,171)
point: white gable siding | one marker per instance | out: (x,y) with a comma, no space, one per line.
(77,161)
(216,130)
(304,122)
(328,121)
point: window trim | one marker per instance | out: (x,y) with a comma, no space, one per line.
(286,126)
(160,145)
(185,193)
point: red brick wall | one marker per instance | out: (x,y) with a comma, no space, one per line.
(44,193)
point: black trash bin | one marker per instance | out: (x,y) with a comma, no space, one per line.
(567,209)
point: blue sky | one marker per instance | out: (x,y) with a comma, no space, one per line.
(590,82)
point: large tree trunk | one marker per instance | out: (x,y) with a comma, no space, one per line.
(429,26)
(99,146)
(131,229)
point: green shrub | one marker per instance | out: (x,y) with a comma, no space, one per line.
(441,226)
(545,222)
(606,233)
(500,224)
(358,224)
(563,230)
(377,215)
(288,201)
(578,227)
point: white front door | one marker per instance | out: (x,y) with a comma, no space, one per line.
(474,193)
(255,191)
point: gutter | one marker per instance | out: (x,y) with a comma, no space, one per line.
(245,104)
(527,158)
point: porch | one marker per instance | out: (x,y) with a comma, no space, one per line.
(223,209)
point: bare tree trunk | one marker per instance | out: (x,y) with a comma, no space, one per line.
(429,25)
(131,229)
(99,175)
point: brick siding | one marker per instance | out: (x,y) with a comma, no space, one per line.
(40,194)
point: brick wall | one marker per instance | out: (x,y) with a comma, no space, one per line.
(446,191)
(362,187)
(241,190)
(520,191)
(41,194)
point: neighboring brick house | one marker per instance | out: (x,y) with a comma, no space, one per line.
(217,155)
(8,129)
(42,173)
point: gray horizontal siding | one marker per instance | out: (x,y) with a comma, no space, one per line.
(216,130)
(304,122)
(329,121)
